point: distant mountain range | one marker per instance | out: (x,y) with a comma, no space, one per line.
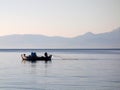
(88,40)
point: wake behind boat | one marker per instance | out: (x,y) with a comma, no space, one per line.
(34,57)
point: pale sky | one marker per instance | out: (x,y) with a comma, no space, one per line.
(67,18)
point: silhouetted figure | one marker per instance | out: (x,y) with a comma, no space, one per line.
(33,54)
(46,55)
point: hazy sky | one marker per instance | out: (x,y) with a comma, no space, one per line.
(58,17)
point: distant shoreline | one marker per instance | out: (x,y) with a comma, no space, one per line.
(67,50)
(59,49)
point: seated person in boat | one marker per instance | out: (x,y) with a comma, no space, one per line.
(33,54)
(46,55)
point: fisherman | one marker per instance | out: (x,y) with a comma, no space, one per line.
(46,55)
(33,54)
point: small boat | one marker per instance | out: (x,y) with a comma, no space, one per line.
(36,58)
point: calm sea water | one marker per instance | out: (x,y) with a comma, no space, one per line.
(73,69)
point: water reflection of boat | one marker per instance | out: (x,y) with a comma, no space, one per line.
(36,58)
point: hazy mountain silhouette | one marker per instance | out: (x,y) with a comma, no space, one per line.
(88,40)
